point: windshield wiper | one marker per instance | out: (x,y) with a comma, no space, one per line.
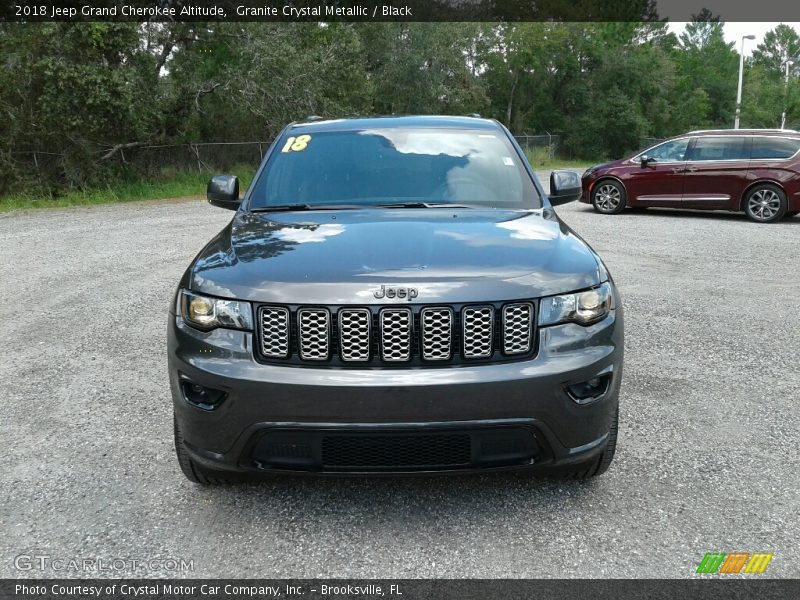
(424,205)
(302,207)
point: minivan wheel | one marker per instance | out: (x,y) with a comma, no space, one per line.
(608,197)
(194,472)
(765,203)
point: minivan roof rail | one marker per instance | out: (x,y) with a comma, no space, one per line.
(753,130)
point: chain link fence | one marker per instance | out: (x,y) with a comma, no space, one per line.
(539,147)
(150,161)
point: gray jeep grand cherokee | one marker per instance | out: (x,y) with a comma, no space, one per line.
(395,295)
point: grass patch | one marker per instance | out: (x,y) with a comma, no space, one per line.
(169,184)
(540,159)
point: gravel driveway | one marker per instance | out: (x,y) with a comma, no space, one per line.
(708,456)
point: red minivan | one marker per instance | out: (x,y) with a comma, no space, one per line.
(752,170)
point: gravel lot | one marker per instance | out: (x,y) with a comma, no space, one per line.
(708,456)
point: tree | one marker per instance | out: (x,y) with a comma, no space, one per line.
(79,89)
(705,61)
(779,45)
(421,68)
(766,93)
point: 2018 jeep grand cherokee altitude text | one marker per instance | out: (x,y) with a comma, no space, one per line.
(395,295)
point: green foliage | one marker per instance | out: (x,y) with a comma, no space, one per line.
(705,61)
(779,45)
(90,93)
(169,184)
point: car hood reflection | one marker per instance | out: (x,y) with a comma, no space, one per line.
(446,247)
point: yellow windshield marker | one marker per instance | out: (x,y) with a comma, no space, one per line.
(296,144)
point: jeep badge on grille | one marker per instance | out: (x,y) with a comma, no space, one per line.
(396,292)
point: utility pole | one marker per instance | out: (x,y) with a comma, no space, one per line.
(741,73)
(785,94)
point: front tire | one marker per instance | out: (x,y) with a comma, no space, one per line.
(596,466)
(765,203)
(609,197)
(193,472)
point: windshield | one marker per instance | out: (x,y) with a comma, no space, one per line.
(395,165)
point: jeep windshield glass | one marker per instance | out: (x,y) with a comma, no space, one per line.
(410,168)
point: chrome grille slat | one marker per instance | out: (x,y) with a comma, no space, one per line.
(355,334)
(517,326)
(396,327)
(274,331)
(477,323)
(437,333)
(313,332)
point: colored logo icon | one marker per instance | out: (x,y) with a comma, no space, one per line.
(734,562)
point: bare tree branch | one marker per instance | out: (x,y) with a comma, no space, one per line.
(118,147)
(203,92)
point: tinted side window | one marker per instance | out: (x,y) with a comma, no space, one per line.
(721,148)
(673,150)
(769,147)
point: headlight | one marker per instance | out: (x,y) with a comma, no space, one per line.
(583,308)
(207,313)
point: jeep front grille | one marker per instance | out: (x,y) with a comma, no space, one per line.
(478,326)
(396,327)
(354,333)
(376,336)
(313,330)
(517,328)
(275,331)
(437,333)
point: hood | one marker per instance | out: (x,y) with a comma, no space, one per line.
(343,257)
(606,165)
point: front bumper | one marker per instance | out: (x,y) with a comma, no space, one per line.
(278,418)
(586,189)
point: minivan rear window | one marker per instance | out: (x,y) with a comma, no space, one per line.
(774,147)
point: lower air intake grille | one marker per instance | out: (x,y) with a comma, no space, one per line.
(394,451)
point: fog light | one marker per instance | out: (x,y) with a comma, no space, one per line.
(201,396)
(589,390)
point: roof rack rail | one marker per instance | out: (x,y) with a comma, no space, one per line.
(473,115)
(313,118)
(744,130)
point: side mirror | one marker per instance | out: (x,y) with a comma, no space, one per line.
(223,191)
(565,186)
(646,160)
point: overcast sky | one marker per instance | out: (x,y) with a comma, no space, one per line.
(735,30)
